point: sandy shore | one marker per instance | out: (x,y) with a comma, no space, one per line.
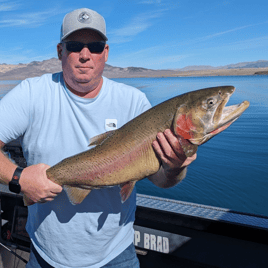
(225,72)
(216,72)
(115,72)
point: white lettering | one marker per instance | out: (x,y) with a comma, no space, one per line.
(159,244)
(165,245)
(146,241)
(137,238)
(153,242)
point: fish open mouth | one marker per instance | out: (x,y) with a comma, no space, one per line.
(218,117)
(229,114)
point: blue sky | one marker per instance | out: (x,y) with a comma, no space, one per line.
(156,34)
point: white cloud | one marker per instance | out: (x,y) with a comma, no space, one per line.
(247,44)
(152,57)
(229,31)
(8,6)
(137,25)
(33,19)
(24,56)
(164,61)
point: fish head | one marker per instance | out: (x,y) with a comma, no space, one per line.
(204,114)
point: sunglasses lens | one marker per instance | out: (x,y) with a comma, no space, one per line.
(74,46)
(95,47)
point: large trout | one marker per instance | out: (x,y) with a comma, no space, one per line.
(124,156)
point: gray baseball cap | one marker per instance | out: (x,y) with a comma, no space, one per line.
(83,18)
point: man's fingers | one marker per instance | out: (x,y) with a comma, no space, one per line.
(168,151)
(37,186)
(163,149)
(54,187)
(174,143)
(182,147)
(173,150)
(158,149)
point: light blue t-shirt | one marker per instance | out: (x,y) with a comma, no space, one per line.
(55,124)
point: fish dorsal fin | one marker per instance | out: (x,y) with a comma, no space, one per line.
(126,190)
(99,139)
(76,195)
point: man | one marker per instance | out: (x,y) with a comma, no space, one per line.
(56,115)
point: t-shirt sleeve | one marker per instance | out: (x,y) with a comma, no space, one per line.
(14,112)
(143,105)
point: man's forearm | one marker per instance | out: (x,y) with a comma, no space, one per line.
(7,168)
(163,180)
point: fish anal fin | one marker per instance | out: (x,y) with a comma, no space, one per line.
(76,195)
(126,190)
(99,139)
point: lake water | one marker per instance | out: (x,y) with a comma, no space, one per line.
(231,170)
(5,86)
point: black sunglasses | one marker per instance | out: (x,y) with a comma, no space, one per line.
(94,47)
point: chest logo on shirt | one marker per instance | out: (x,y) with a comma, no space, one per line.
(110,124)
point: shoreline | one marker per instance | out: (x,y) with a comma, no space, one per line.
(196,73)
(162,73)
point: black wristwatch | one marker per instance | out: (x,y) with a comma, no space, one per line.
(14,185)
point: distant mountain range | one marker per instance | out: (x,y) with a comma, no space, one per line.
(252,64)
(37,68)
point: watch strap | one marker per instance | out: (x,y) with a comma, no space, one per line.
(15,180)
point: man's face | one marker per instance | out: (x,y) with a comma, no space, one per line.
(82,71)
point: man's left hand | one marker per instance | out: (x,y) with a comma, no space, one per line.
(173,159)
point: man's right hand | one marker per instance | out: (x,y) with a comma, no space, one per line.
(36,186)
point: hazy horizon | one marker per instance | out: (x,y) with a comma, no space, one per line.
(153,34)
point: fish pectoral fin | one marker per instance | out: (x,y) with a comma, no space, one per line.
(76,195)
(126,190)
(99,139)
(188,148)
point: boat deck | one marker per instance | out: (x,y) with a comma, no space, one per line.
(195,235)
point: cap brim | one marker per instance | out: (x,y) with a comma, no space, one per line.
(90,28)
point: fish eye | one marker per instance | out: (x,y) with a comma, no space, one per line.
(211,102)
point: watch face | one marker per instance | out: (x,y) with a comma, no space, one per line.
(14,187)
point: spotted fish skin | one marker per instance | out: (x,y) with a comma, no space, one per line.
(124,156)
